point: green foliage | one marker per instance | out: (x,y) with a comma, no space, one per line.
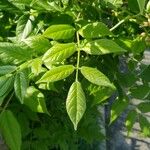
(102,46)
(10,129)
(58,53)
(62,60)
(5,84)
(94,30)
(59,32)
(76,103)
(34,99)
(20,85)
(117,108)
(57,73)
(144,125)
(130,120)
(96,77)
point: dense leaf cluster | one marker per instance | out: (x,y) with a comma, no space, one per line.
(61,60)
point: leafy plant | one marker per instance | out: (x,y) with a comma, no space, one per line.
(61,60)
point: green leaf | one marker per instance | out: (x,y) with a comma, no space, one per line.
(126,79)
(58,53)
(96,77)
(10,129)
(36,66)
(46,5)
(24,27)
(144,125)
(137,5)
(48,86)
(116,3)
(20,85)
(8,6)
(94,30)
(101,47)
(17,51)
(144,107)
(2,99)
(117,108)
(57,73)
(59,32)
(25,2)
(148,7)
(145,74)
(76,103)
(5,84)
(7,69)
(38,43)
(102,94)
(141,4)
(130,120)
(138,46)
(133,5)
(34,99)
(140,92)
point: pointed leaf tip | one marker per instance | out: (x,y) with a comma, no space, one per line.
(76,103)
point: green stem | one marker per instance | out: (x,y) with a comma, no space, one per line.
(78,57)
(124,20)
(119,23)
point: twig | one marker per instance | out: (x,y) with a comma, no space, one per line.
(119,23)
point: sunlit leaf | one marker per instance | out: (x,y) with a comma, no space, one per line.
(20,85)
(59,52)
(96,77)
(38,43)
(57,73)
(16,51)
(36,66)
(94,30)
(76,103)
(59,32)
(24,27)
(101,47)
(34,99)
